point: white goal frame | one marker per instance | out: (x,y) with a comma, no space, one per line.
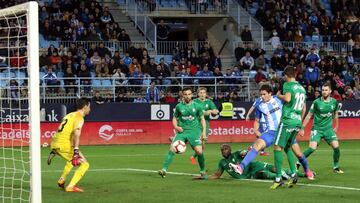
(32,21)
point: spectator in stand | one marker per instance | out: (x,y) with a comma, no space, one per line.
(312,74)
(14,89)
(140,99)
(186,77)
(356,52)
(134,64)
(239,51)
(69,80)
(159,75)
(169,98)
(124,37)
(260,62)
(356,90)
(312,56)
(233,97)
(275,40)
(98,99)
(163,31)
(201,33)
(51,80)
(206,75)
(350,59)
(152,93)
(247,61)
(102,70)
(119,76)
(246,35)
(17,60)
(216,63)
(259,76)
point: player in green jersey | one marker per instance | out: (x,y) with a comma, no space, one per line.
(294,108)
(190,126)
(325,110)
(254,170)
(209,108)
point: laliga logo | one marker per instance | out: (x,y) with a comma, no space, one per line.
(105,132)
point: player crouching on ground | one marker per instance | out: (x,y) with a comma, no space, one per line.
(255,169)
(190,126)
(65,143)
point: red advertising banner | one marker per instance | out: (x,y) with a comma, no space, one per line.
(155,132)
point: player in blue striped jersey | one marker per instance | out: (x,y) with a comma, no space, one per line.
(270,108)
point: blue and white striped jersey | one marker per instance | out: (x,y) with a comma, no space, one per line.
(270,111)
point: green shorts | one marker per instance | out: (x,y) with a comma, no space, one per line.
(328,135)
(285,136)
(192,136)
(257,167)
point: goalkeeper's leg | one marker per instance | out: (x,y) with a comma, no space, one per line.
(79,173)
(66,171)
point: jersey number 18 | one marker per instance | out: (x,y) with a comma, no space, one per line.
(300,101)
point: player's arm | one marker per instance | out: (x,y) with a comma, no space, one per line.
(175,121)
(309,115)
(214,110)
(284,97)
(336,120)
(249,113)
(76,159)
(256,127)
(301,131)
(203,125)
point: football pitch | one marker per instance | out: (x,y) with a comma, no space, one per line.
(128,173)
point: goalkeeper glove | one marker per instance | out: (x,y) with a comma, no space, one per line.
(76,158)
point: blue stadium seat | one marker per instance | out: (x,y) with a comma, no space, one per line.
(106,83)
(168,58)
(96,83)
(60,74)
(93,74)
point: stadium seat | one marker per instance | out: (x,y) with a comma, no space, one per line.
(106,83)
(96,83)
(168,58)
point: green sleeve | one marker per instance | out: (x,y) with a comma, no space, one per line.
(200,111)
(313,107)
(286,88)
(337,106)
(220,167)
(212,105)
(176,112)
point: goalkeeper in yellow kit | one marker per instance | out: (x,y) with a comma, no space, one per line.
(65,143)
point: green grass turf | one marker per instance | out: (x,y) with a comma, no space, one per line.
(113,184)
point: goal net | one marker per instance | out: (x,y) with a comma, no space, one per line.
(20,172)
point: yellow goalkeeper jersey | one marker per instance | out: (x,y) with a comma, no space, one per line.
(69,123)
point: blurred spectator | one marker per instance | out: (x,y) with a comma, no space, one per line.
(247,61)
(201,33)
(206,75)
(169,98)
(163,31)
(239,51)
(259,76)
(98,99)
(246,35)
(69,80)
(51,80)
(140,99)
(102,70)
(260,62)
(152,93)
(14,89)
(312,56)
(312,74)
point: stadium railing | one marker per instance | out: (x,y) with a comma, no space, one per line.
(142,21)
(139,85)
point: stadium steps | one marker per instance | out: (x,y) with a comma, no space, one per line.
(124,21)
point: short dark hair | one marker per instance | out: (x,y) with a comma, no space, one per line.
(266,88)
(201,88)
(290,71)
(186,89)
(327,84)
(82,102)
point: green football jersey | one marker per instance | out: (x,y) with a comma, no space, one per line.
(292,111)
(323,113)
(188,115)
(234,158)
(207,104)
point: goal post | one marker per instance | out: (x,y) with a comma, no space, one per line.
(20,153)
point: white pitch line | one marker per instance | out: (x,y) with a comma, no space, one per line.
(190,174)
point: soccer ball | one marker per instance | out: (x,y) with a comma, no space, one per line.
(178,146)
(45,144)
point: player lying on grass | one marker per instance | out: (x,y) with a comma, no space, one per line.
(325,110)
(65,143)
(209,108)
(254,170)
(190,126)
(270,108)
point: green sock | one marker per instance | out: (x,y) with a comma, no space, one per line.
(336,157)
(291,159)
(195,155)
(169,157)
(268,175)
(278,163)
(308,152)
(201,161)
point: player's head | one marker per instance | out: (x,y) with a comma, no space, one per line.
(326,90)
(83,104)
(187,94)
(202,93)
(289,73)
(225,150)
(265,92)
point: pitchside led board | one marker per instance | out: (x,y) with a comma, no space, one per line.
(128,123)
